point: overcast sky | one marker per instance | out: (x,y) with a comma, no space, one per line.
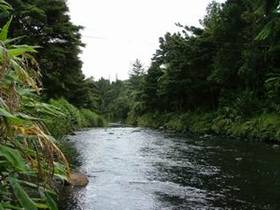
(118,32)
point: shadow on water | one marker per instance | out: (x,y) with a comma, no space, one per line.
(134,168)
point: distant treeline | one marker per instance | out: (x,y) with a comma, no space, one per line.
(228,68)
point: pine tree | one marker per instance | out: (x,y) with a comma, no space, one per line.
(46,23)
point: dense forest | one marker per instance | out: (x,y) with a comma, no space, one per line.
(222,77)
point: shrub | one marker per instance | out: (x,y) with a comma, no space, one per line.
(70,118)
(29,158)
(91,119)
(153,120)
(66,122)
(176,122)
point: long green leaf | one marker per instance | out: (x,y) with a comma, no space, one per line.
(9,41)
(9,206)
(20,50)
(51,203)
(42,206)
(266,31)
(26,117)
(3,104)
(25,201)
(4,6)
(13,157)
(5,30)
(5,113)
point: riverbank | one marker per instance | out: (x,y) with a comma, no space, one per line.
(263,127)
(67,120)
(64,123)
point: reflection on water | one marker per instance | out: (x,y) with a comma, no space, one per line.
(133,168)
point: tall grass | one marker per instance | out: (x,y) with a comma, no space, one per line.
(91,119)
(31,163)
(66,122)
(30,160)
(69,118)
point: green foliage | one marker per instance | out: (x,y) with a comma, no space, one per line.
(91,119)
(66,122)
(228,68)
(240,104)
(23,198)
(30,160)
(119,108)
(152,120)
(120,99)
(29,157)
(218,65)
(261,126)
(271,9)
(272,85)
(69,118)
(178,123)
(46,23)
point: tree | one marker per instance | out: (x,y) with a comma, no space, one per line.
(46,23)
(136,74)
(219,64)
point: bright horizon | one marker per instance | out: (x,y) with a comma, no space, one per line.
(116,35)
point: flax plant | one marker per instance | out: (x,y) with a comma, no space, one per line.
(30,161)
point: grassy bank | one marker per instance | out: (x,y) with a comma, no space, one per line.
(264,126)
(68,119)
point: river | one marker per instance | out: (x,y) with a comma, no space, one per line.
(143,169)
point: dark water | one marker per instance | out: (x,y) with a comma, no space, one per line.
(139,169)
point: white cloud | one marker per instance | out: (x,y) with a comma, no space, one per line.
(118,32)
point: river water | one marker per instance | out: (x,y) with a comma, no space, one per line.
(143,169)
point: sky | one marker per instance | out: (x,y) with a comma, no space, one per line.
(116,33)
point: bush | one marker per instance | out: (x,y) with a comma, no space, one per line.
(66,122)
(244,104)
(91,119)
(29,158)
(224,122)
(202,122)
(153,120)
(70,118)
(175,123)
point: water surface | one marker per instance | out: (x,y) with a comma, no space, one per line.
(142,169)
